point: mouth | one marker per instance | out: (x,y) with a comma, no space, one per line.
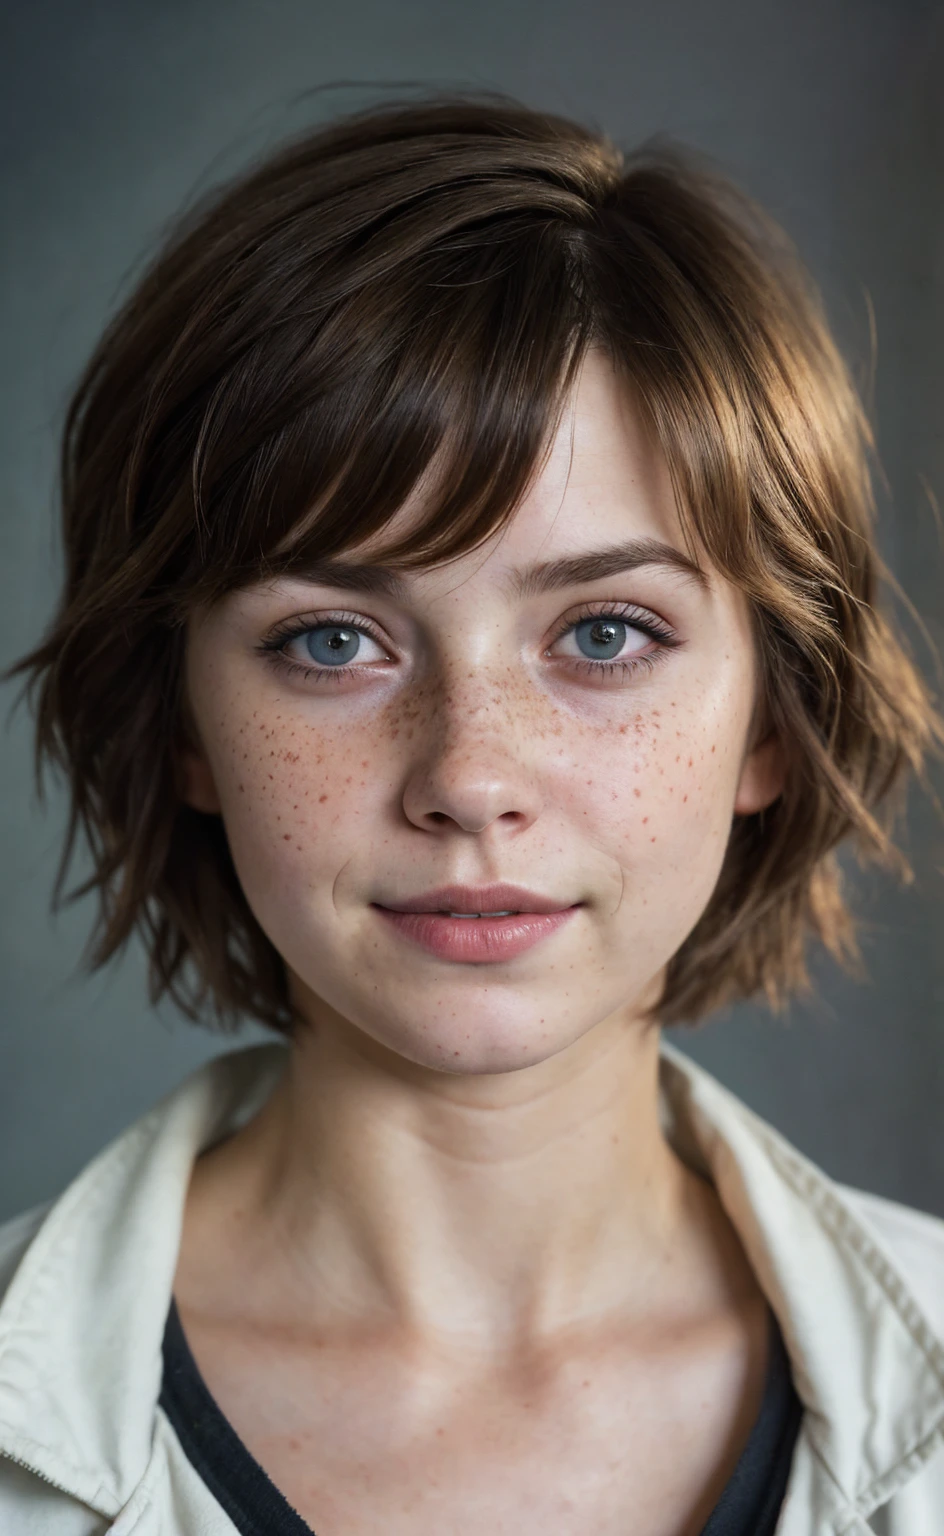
(443,913)
(475,938)
(466,902)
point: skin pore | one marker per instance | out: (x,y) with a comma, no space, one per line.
(452,1276)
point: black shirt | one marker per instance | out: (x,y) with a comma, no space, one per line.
(749,1505)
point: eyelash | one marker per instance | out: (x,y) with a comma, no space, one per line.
(273,646)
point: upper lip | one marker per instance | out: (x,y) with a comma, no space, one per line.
(478,898)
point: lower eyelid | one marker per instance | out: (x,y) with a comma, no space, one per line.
(647,641)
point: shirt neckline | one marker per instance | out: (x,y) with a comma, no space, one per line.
(749,1503)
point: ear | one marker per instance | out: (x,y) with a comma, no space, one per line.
(196,783)
(763,775)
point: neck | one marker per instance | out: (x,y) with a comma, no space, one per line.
(478,1211)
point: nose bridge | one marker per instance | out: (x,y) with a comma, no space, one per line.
(478,709)
(472,765)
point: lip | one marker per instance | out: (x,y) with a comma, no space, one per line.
(477,898)
(475,940)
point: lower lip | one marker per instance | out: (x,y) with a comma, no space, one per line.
(476,940)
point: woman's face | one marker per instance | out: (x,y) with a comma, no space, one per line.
(585,737)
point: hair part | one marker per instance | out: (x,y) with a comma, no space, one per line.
(414,287)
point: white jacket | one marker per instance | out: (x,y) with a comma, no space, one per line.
(856,1282)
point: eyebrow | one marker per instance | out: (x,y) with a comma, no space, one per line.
(527,581)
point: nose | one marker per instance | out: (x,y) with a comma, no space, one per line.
(473,765)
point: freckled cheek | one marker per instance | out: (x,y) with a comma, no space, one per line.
(289,794)
(663,800)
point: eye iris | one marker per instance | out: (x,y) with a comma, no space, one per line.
(330,645)
(608,635)
(335,644)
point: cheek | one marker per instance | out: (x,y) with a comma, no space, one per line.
(290,795)
(660,796)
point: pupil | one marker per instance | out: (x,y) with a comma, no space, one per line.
(332,644)
(603,634)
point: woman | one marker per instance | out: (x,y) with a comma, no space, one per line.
(469,662)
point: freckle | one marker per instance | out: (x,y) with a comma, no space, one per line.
(242,789)
(322,799)
(712,749)
(287,836)
(690,762)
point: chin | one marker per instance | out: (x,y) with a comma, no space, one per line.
(480,1046)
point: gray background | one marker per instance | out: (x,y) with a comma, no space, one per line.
(829,111)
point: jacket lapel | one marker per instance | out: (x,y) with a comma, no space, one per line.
(82,1323)
(867,1364)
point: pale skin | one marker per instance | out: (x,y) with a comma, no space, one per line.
(452,1277)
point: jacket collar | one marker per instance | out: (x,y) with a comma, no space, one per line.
(867,1363)
(82,1322)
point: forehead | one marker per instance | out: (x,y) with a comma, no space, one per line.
(600,501)
(602,471)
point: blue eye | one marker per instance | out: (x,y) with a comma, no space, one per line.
(331,645)
(600,638)
(326,648)
(613,641)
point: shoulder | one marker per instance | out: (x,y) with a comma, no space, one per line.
(15,1237)
(27,1503)
(913,1240)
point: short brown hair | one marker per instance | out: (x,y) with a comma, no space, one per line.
(421,280)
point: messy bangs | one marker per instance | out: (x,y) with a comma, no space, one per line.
(404,298)
(447,366)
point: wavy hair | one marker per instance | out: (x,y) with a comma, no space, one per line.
(421,281)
